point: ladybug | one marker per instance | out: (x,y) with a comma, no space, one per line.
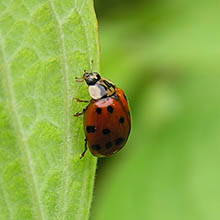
(107,121)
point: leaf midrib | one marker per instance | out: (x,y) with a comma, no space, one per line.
(67,143)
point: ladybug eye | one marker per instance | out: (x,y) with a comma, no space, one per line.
(86,75)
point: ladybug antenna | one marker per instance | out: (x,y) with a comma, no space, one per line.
(79,79)
(91,65)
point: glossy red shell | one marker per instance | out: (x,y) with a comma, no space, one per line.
(107,124)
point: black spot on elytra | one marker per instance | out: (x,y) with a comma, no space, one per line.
(119,141)
(106,131)
(99,111)
(125,97)
(91,129)
(121,120)
(96,147)
(110,109)
(108,145)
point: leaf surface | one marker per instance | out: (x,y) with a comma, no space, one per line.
(44,45)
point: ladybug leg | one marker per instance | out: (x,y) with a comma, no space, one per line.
(80,100)
(83,153)
(77,114)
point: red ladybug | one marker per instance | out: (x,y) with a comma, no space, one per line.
(107,121)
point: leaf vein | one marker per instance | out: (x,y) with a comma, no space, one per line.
(5,198)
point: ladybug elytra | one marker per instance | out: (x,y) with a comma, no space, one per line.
(107,121)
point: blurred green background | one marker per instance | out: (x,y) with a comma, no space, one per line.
(166,57)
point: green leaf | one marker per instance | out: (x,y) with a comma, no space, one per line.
(44,45)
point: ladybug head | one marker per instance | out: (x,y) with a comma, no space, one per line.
(91,78)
